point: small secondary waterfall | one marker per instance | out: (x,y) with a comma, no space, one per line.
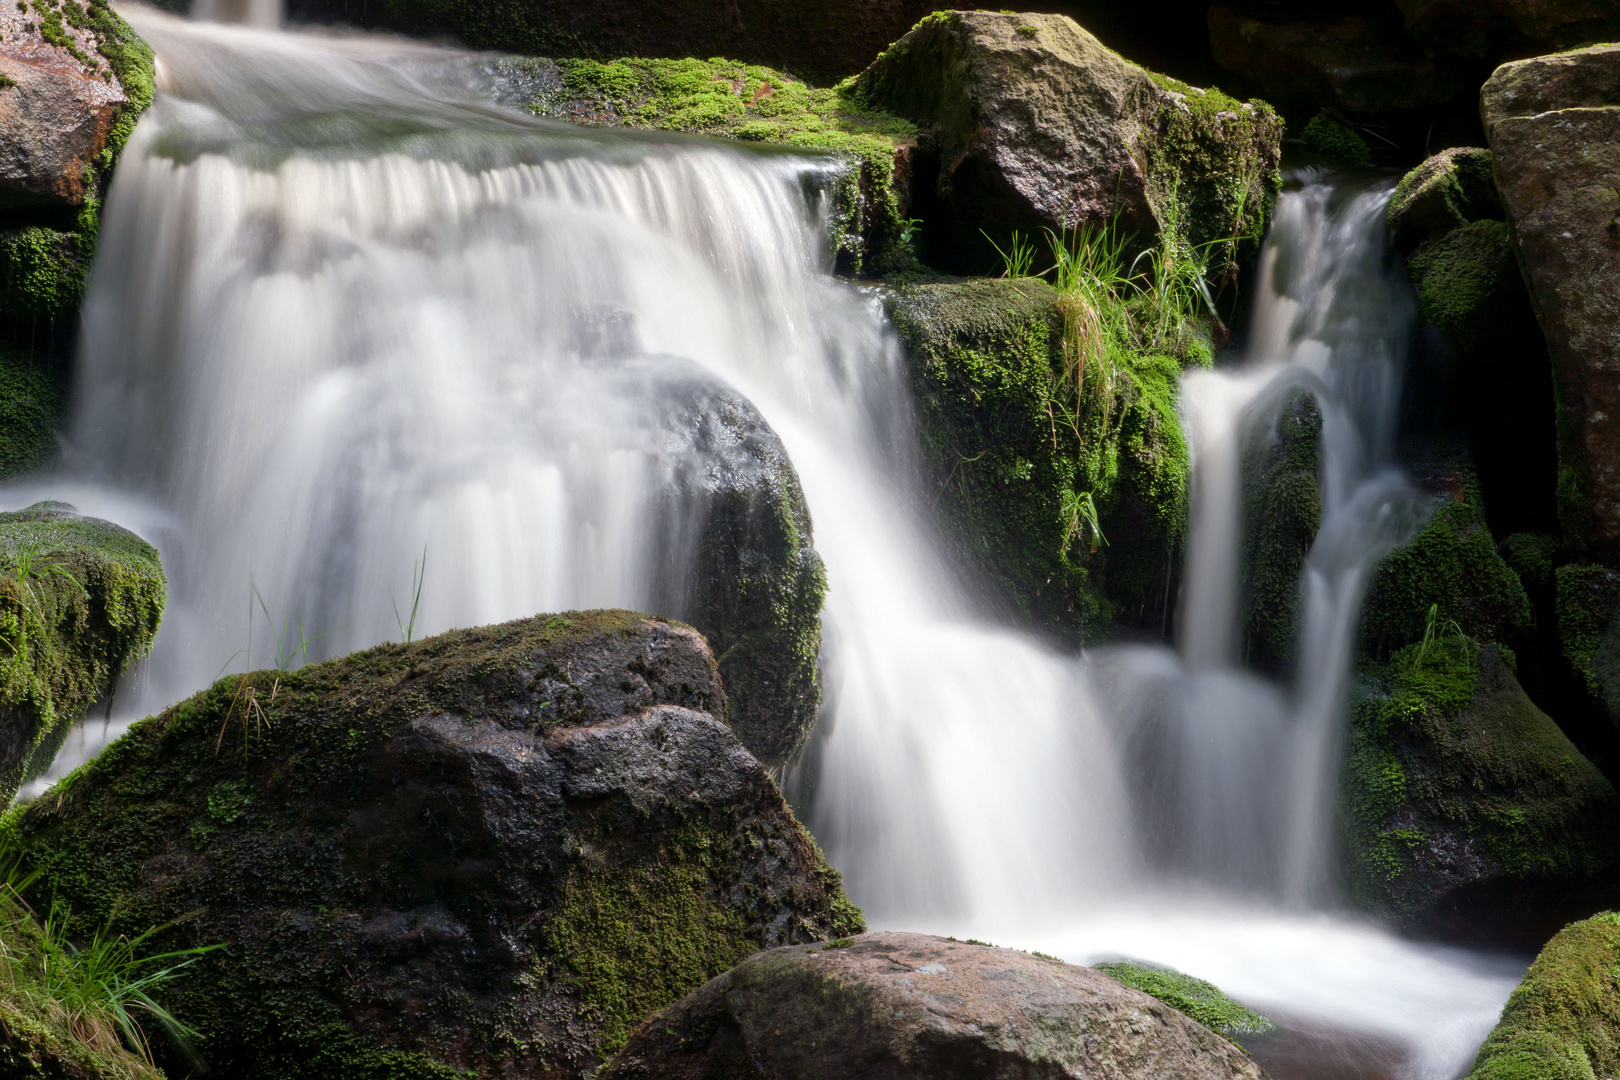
(345,312)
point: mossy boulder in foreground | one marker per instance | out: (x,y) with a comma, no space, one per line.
(496,850)
(1032,123)
(913,1007)
(80,601)
(1563,1020)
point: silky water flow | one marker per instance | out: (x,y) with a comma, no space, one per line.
(348,316)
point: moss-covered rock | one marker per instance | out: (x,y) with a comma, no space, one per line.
(1015,460)
(31,407)
(1203,1001)
(1331,137)
(1449,189)
(1562,1022)
(1587,606)
(752,104)
(493,850)
(1454,778)
(80,601)
(1469,285)
(1030,123)
(1282,510)
(1452,565)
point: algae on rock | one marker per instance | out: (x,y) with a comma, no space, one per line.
(1202,1001)
(494,850)
(80,601)
(1562,1022)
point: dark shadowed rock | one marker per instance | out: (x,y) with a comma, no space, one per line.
(1554,128)
(1031,123)
(899,1006)
(498,850)
(1302,58)
(1497,30)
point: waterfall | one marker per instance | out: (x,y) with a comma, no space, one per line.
(345,313)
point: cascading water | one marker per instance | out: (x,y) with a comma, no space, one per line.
(345,312)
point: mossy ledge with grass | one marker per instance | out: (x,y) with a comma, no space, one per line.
(1561,1021)
(80,602)
(496,851)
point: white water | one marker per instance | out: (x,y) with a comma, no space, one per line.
(342,314)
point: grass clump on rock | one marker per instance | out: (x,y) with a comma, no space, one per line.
(1202,1001)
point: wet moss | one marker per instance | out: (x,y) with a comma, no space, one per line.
(80,601)
(1562,1022)
(1012,455)
(1200,1000)
(1469,285)
(1587,603)
(1453,777)
(1333,138)
(759,105)
(1451,188)
(1282,510)
(31,408)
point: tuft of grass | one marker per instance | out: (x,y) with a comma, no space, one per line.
(407,626)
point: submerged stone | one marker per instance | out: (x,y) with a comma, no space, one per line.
(80,601)
(905,1006)
(497,849)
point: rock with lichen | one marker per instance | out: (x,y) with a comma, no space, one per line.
(1449,189)
(906,1006)
(1554,128)
(80,602)
(1030,123)
(495,850)
(1560,1023)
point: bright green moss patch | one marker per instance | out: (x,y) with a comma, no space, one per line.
(1203,1001)
(31,405)
(1014,457)
(1333,138)
(1563,1020)
(80,601)
(757,104)
(43,271)
(1454,777)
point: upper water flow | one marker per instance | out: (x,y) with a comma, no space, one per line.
(346,314)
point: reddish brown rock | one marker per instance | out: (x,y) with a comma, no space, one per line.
(59,100)
(894,1006)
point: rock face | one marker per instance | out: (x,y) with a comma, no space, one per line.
(1454,780)
(1362,64)
(1497,30)
(899,1006)
(496,850)
(1560,1022)
(1554,129)
(80,601)
(1031,123)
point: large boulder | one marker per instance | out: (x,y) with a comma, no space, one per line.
(496,850)
(1030,123)
(1307,59)
(900,1006)
(1496,30)
(1554,129)
(1562,1022)
(1455,781)
(80,601)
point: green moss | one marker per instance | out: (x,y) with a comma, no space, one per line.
(88,607)
(1333,138)
(1282,510)
(31,407)
(1203,1001)
(1449,189)
(986,363)
(1562,1022)
(1468,282)
(1587,600)
(1453,776)
(1533,556)
(757,104)
(1452,563)
(43,271)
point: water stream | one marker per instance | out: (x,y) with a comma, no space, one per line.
(336,322)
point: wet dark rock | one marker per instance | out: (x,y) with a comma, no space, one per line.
(1360,63)
(1031,123)
(899,1006)
(497,850)
(1497,30)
